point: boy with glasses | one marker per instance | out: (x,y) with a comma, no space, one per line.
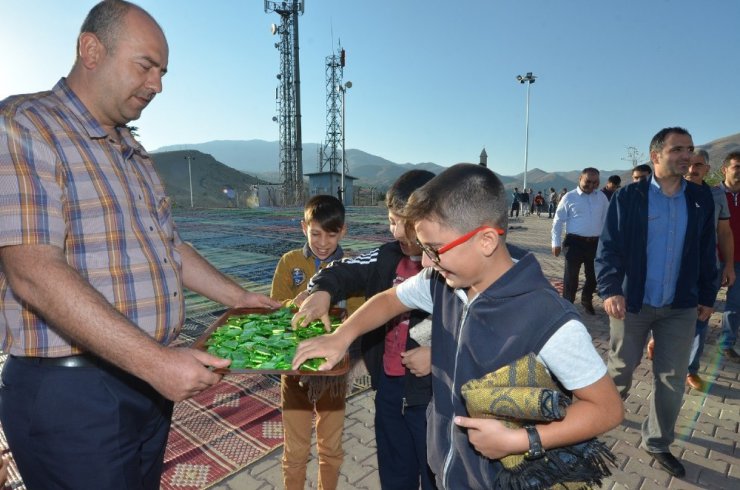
(483,319)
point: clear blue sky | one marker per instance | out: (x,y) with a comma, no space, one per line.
(433,80)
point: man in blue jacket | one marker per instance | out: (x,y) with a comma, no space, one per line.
(655,269)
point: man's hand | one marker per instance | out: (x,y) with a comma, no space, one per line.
(704,312)
(492,438)
(256,300)
(728,275)
(418,360)
(183,373)
(615,307)
(315,306)
(556,251)
(332,347)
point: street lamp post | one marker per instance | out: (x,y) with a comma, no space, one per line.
(529,80)
(190,176)
(343,89)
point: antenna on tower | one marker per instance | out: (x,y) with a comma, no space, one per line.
(332,146)
(289,99)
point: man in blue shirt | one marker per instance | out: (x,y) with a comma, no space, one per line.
(656,268)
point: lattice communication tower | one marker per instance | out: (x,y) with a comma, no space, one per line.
(333,145)
(288,98)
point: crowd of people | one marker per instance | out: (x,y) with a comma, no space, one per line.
(93,271)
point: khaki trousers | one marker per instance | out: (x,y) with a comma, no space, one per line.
(298,414)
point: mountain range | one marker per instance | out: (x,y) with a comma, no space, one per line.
(239,163)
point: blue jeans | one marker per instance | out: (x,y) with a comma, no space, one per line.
(401,438)
(730,318)
(698,346)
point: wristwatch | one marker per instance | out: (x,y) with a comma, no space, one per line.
(536,451)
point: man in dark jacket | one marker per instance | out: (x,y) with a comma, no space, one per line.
(655,268)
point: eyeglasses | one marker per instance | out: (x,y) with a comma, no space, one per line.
(434,254)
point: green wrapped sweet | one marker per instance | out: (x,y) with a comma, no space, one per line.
(264,341)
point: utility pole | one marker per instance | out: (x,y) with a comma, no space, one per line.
(190,176)
(634,155)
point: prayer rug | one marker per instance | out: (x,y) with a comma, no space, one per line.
(222,430)
(14,478)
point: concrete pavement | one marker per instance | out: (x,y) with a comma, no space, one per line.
(707,430)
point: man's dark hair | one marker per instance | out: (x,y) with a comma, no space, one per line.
(658,141)
(463,197)
(590,170)
(643,167)
(105,20)
(735,155)
(399,192)
(326,212)
(615,179)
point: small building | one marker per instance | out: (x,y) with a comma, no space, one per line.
(483,158)
(330,183)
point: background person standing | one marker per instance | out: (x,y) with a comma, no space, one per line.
(581,212)
(730,318)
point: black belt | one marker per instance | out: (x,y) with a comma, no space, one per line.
(590,239)
(78,361)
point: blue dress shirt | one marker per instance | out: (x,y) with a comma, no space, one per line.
(667,221)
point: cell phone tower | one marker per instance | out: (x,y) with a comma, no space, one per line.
(333,146)
(288,97)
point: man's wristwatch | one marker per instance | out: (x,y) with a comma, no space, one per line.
(536,451)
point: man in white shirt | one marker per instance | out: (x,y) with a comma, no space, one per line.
(582,212)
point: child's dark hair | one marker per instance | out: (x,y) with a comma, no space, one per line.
(399,192)
(325,211)
(463,197)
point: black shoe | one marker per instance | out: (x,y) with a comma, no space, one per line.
(589,307)
(668,462)
(730,354)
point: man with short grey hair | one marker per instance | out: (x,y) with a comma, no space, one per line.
(93,270)
(698,169)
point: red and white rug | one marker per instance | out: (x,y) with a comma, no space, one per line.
(222,430)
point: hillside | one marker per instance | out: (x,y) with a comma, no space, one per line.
(210,178)
(259,158)
(719,148)
(220,162)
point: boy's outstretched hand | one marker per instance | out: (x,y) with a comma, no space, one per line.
(492,438)
(332,347)
(315,306)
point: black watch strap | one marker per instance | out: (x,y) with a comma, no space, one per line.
(536,451)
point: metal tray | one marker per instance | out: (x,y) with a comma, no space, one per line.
(200,344)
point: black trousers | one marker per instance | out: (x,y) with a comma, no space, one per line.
(83,428)
(579,251)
